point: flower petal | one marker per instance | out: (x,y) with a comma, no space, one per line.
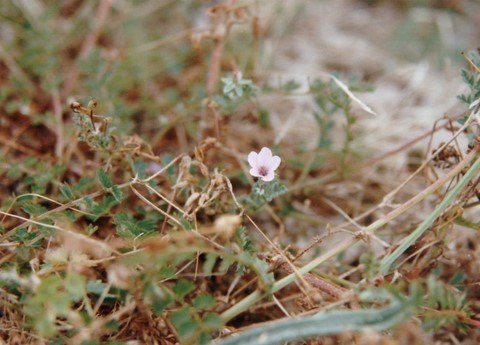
(264,156)
(269,177)
(274,163)
(254,172)
(252,159)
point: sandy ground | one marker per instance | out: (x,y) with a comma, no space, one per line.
(410,56)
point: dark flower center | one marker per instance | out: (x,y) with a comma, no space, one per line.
(263,171)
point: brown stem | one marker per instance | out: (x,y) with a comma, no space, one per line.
(317,282)
(214,68)
(216,118)
(57,111)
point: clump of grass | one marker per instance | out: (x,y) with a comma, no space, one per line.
(128,212)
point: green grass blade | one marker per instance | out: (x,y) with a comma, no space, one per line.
(446,202)
(327,323)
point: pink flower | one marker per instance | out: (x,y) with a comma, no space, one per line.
(263,164)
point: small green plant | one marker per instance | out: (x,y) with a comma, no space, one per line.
(235,87)
(263,193)
(471,79)
(334,97)
(444,306)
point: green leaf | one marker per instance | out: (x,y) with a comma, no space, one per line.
(263,192)
(49,287)
(187,329)
(96,287)
(88,201)
(448,302)
(212,320)
(210,261)
(76,286)
(183,322)
(167,272)
(104,179)
(56,171)
(129,227)
(44,327)
(90,342)
(274,189)
(146,226)
(183,287)
(91,229)
(31,161)
(225,264)
(165,160)
(23,235)
(204,338)
(159,305)
(458,278)
(103,207)
(83,184)
(203,302)
(245,241)
(291,85)
(60,303)
(229,86)
(264,117)
(139,168)
(260,267)
(68,214)
(50,298)
(186,224)
(33,209)
(180,316)
(14,172)
(117,193)
(112,325)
